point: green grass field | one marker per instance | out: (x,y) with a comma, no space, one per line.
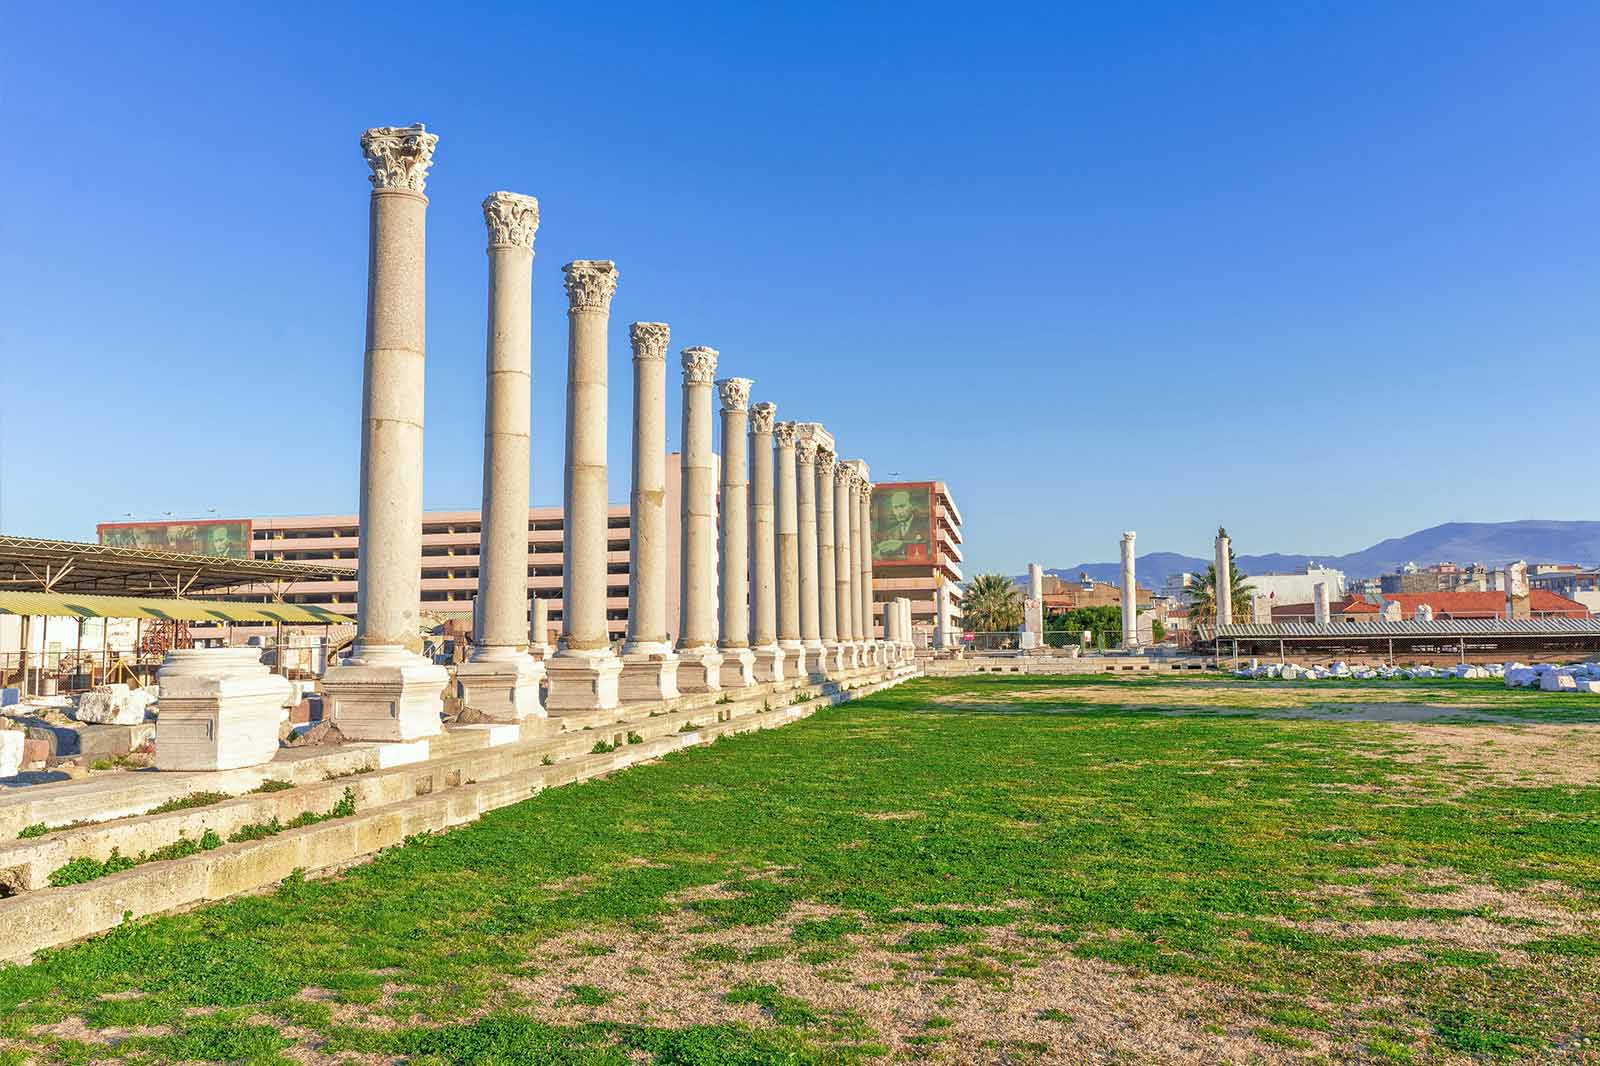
(1019,870)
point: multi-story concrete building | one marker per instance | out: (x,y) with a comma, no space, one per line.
(916,552)
(450,558)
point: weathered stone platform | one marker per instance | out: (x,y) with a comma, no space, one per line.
(400,789)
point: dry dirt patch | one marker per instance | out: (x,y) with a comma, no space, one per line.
(1522,754)
(1080,1010)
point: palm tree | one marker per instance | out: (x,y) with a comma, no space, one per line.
(1202,594)
(991,603)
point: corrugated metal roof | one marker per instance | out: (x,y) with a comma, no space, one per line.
(1447,627)
(69,604)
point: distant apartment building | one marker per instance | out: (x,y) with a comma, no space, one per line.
(916,552)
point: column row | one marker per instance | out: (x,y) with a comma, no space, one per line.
(775,567)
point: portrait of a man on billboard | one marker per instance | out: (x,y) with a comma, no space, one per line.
(221,537)
(902,525)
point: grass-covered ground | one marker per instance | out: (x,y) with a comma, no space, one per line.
(967,870)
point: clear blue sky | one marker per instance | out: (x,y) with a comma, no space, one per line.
(1325,273)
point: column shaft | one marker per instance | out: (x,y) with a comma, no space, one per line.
(385,690)
(733,537)
(1130,599)
(584,671)
(827,559)
(844,581)
(699,669)
(763,548)
(805,455)
(502,680)
(649,666)
(647,502)
(787,526)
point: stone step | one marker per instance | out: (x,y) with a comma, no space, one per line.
(107,796)
(391,804)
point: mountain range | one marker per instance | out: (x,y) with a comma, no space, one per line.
(1492,543)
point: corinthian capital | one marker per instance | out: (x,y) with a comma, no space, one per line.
(512,219)
(590,285)
(649,341)
(805,451)
(761,416)
(866,492)
(845,472)
(735,393)
(783,433)
(825,460)
(399,155)
(699,366)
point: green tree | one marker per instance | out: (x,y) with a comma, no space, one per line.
(991,603)
(1202,593)
(1105,623)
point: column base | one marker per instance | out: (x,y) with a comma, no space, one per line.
(222,711)
(385,692)
(852,656)
(502,683)
(795,658)
(738,668)
(649,671)
(583,681)
(816,661)
(699,669)
(833,658)
(769,663)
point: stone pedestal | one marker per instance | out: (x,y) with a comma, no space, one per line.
(583,680)
(649,671)
(738,667)
(385,693)
(220,709)
(700,669)
(502,683)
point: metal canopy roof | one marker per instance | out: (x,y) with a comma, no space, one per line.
(62,605)
(30,563)
(1441,627)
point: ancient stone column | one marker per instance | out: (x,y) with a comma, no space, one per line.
(858,617)
(941,624)
(763,548)
(844,583)
(584,671)
(1224,589)
(539,629)
(501,680)
(1319,603)
(733,543)
(649,665)
(827,561)
(385,690)
(805,458)
(891,614)
(787,523)
(700,663)
(1130,600)
(868,626)
(1033,609)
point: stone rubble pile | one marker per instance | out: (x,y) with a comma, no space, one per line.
(1582,677)
(114,704)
